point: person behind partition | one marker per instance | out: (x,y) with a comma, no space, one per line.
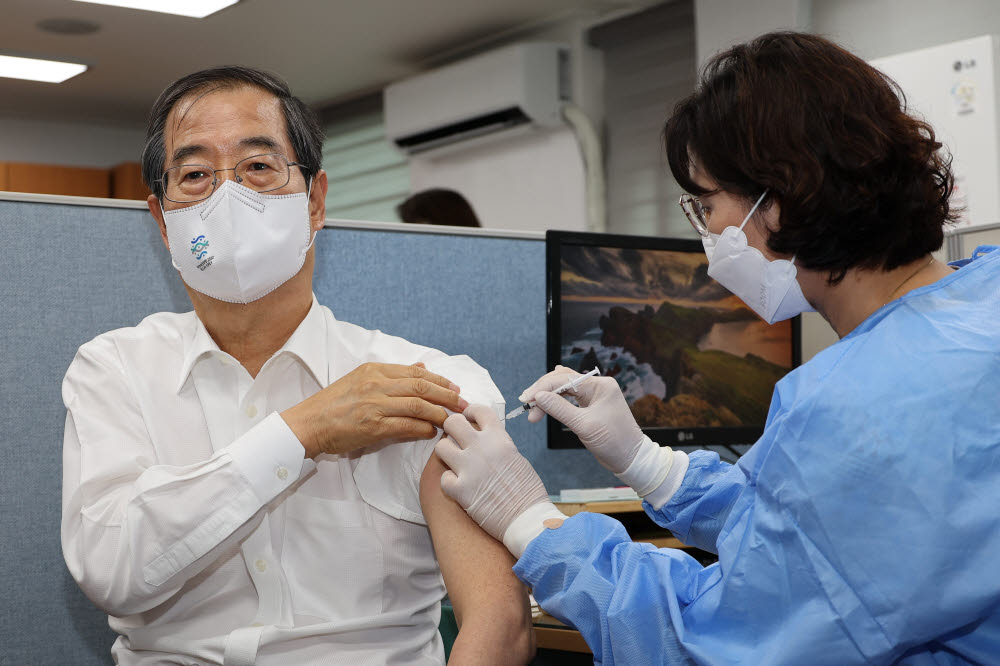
(862,527)
(255,481)
(438,206)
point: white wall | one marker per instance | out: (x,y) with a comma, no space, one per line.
(527,181)
(720,24)
(869,28)
(531,181)
(876,28)
(68,144)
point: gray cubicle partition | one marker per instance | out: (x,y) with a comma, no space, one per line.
(73,268)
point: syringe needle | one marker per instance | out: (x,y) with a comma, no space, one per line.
(568,386)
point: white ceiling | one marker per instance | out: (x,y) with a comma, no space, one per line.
(328,50)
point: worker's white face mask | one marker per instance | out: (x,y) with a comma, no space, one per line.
(769,288)
(239,245)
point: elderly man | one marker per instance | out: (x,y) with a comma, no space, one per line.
(254,481)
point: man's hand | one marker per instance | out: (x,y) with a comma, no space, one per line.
(373,403)
(489,477)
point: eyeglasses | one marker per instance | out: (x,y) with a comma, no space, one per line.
(189,183)
(697,214)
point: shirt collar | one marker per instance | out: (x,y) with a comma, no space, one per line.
(200,344)
(308,344)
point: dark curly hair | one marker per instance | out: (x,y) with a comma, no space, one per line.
(861,184)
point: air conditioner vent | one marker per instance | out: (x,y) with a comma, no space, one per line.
(521,84)
(465,129)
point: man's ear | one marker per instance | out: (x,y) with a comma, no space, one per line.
(154,208)
(317,201)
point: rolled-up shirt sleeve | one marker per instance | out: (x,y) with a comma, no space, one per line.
(135,530)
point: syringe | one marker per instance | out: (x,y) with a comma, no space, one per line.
(568,386)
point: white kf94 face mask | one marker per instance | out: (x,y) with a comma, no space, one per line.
(240,245)
(769,288)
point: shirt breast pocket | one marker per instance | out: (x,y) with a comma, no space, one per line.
(332,557)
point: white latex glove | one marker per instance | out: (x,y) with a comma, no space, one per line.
(605,425)
(491,480)
(603,421)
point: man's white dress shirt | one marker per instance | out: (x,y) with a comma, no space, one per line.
(191,516)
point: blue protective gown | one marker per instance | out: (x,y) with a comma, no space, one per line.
(863,527)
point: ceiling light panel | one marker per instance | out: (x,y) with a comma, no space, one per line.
(34,69)
(192,8)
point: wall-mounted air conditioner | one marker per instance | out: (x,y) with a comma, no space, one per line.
(516,85)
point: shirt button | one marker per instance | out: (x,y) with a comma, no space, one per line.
(261,565)
(252,411)
(281,473)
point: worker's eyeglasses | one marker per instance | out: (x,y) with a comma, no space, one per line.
(697,214)
(189,183)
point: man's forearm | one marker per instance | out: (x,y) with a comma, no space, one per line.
(487,641)
(131,547)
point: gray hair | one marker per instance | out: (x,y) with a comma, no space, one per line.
(301,122)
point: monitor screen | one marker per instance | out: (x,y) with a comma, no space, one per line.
(696,365)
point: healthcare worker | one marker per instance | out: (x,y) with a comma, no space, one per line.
(863,527)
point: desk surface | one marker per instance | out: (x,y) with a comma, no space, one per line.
(607,506)
(552,634)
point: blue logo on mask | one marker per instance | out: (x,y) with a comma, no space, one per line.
(199,247)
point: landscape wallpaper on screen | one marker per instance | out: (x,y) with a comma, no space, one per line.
(685,351)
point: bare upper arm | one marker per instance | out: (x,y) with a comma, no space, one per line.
(477,568)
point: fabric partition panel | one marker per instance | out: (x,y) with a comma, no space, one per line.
(480,296)
(68,274)
(71,272)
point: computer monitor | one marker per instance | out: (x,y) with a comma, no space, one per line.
(696,365)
